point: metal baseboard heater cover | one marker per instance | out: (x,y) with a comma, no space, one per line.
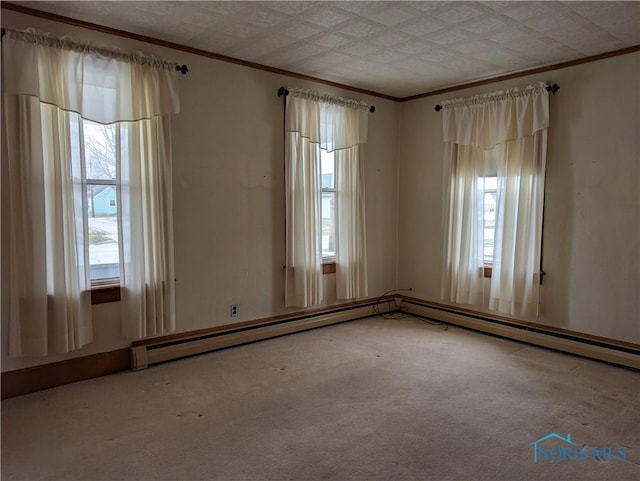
(146,355)
(615,354)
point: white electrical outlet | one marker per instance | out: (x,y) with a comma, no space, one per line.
(234,310)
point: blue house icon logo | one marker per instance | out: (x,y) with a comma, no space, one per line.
(537,450)
(564,449)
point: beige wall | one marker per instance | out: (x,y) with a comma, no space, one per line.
(228,159)
(592,206)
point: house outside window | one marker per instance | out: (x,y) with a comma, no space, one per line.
(99,146)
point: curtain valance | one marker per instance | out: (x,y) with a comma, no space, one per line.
(79,77)
(488,119)
(308,113)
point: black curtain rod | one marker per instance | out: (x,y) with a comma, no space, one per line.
(283,91)
(550,88)
(183,69)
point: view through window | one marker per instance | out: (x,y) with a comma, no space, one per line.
(328,204)
(100,147)
(490,185)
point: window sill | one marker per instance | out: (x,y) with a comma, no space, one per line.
(105,293)
(488,270)
(328,267)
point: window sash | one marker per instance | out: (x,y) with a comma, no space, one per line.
(488,257)
(101,273)
(327,161)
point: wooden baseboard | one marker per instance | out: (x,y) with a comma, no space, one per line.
(144,355)
(263,321)
(37,378)
(32,379)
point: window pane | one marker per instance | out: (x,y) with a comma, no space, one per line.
(100,148)
(328,224)
(489,220)
(103,232)
(490,184)
(326,169)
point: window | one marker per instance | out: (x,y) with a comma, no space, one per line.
(489,186)
(495,155)
(325,215)
(86,197)
(99,153)
(327,165)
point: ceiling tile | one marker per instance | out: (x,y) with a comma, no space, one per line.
(301,31)
(361,8)
(421,26)
(326,18)
(361,49)
(360,29)
(262,18)
(460,12)
(391,16)
(527,10)
(484,25)
(332,40)
(448,37)
(289,8)
(388,39)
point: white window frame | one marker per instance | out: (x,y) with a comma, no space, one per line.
(488,262)
(88,181)
(329,257)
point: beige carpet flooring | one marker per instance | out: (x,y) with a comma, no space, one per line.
(372,399)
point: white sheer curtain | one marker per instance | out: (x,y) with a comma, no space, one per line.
(302,173)
(463,267)
(351,252)
(315,122)
(501,134)
(146,252)
(49,83)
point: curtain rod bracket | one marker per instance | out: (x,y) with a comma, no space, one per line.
(553,88)
(183,69)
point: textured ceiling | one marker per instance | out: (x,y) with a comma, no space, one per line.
(395,48)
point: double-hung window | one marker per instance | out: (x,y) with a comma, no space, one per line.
(327,172)
(325,137)
(99,150)
(488,186)
(89,201)
(495,157)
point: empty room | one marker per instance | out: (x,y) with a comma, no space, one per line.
(320,240)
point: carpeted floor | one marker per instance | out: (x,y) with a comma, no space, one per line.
(372,399)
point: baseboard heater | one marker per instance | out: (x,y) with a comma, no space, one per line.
(143,356)
(622,354)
